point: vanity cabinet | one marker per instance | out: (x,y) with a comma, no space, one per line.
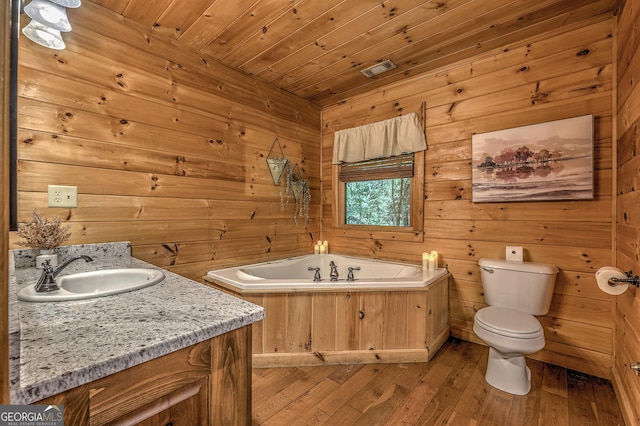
(208,383)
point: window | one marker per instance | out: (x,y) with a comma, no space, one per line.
(378,192)
(384,193)
(378,177)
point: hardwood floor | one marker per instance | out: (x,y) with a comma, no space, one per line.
(448,390)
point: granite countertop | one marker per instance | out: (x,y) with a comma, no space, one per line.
(61,345)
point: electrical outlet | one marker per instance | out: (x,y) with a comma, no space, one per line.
(63,196)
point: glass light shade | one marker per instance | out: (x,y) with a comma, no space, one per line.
(43,35)
(67,3)
(49,14)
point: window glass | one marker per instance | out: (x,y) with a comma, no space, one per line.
(382,202)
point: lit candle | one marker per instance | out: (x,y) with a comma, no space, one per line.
(322,249)
(425,261)
(316,249)
(434,254)
(326,246)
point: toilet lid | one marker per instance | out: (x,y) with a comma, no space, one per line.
(508,322)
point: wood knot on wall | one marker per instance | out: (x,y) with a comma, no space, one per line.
(180,166)
(538,96)
(171,252)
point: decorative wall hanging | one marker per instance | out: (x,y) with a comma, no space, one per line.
(277,164)
(293,183)
(300,189)
(547,161)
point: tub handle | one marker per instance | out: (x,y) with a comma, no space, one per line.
(487,269)
(316,276)
(350,274)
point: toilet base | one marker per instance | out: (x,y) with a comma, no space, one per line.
(509,374)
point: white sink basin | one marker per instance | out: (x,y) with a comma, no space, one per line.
(87,285)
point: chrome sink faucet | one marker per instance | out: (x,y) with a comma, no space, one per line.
(333,274)
(47,281)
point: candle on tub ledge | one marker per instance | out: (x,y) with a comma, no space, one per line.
(425,261)
(323,247)
(429,261)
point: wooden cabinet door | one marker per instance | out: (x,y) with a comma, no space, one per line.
(135,394)
(186,406)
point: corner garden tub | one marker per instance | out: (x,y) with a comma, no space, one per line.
(376,312)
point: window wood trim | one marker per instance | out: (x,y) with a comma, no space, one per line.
(400,233)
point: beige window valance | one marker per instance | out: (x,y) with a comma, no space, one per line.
(388,138)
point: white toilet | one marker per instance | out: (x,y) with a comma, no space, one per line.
(515,292)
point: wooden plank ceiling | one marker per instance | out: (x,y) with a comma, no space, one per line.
(315,49)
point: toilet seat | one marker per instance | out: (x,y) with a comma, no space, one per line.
(509,323)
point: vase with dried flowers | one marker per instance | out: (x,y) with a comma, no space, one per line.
(45,235)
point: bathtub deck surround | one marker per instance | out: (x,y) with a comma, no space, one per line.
(59,346)
(298,273)
(391,312)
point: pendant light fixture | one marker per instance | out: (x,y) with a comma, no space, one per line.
(67,3)
(43,35)
(48,20)
(50,14)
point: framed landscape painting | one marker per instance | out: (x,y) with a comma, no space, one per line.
(547,161)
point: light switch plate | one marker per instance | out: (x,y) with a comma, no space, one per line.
(63,196)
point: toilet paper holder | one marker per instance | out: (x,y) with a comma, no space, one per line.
(631,279)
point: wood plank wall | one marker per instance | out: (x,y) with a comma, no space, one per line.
(627,318)
(167,147)
(561,73)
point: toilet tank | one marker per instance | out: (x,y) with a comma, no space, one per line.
(523,286)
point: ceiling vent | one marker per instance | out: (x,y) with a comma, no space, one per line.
(378,68)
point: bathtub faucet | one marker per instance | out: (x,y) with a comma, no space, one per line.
(316,276)
(334,271)
(350,276)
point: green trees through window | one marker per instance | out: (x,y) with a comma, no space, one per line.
(383,202)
